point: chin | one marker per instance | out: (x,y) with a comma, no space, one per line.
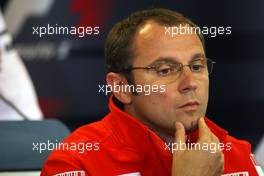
(192,126)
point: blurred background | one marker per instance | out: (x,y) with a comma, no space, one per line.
(67,69)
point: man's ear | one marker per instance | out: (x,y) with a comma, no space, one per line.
(120,92)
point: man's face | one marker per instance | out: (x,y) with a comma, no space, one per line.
(160,110)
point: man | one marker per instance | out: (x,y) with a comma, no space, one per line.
(164,132)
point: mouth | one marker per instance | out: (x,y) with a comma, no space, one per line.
(190,106)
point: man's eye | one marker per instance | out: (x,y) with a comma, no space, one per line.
(197,67)
(165,71)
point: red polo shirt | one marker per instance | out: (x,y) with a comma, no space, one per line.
(121,144)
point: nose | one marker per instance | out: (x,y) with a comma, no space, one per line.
(187,81)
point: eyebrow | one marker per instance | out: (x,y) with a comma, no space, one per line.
(198,56)
(163,60)
(174,60)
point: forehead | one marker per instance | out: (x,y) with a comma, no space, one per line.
(151,43)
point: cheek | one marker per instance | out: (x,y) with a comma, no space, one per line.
(203,94)
(157,108)
(156,99)
(155,103)
(204,88)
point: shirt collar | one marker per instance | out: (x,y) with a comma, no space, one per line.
(129,130)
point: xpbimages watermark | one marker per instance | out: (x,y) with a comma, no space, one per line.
(212,31)
(139,89)
(80,31)
(79,147)
(210,147)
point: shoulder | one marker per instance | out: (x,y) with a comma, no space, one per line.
(97,131)
(238,155)
(85,143)
(238,144)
